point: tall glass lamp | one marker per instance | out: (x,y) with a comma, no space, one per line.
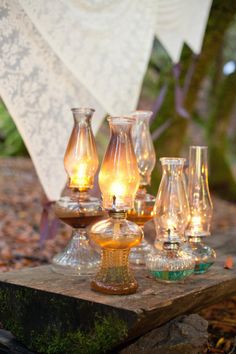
(144,202)
(119,181)
(201,209)
(79,209)
(170,261)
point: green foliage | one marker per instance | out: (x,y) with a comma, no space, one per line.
(107,332)
(11,143)
(209,100)
(50,336)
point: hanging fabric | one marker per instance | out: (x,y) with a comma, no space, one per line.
(60,54)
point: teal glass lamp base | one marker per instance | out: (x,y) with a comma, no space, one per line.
(172,276)
(171,263)
(201,268)
(204,255)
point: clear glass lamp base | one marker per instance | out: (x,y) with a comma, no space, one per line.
(139,254)
(78,258)
(204,255)
(170,264)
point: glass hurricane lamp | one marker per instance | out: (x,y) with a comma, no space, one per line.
(79,209)
(144,202)
(201,209)
(119,181)
(170,260)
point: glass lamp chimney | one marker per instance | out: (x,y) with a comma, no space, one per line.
(201,208)
(119,175)
(81,159)
(143,146)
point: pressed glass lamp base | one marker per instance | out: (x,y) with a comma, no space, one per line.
(114,276)
(138,254)
(78,258)
(168,265)
(170,276)
(204,255)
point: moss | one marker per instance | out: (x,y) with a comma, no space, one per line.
(9,318)
(105,334)
(57,335)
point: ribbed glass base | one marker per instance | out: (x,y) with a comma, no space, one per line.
(78,258)
(114,275)
(138,254)
(204,255)
(201,268)
(170,276)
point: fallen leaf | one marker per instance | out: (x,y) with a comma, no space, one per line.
(229,263)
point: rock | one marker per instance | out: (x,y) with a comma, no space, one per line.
(10,345)
(183,335)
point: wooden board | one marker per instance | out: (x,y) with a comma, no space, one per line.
(35,300)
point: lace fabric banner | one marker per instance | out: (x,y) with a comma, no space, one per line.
(60,54)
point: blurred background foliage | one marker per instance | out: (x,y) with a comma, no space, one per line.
(203,114)
(11,143)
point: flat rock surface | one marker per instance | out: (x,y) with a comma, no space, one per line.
(183,335)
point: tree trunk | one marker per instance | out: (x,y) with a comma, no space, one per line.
(172,140)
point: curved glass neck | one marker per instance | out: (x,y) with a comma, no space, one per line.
(142,117)
(173,165)
(82,115)
(120,126)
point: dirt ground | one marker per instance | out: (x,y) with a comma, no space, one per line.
(20,211)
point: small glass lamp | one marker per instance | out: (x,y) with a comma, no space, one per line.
(118,180)
(79,209)
(144,202)
(170,261)
(201,209)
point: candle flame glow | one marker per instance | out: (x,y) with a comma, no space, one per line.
(117,188)
(79,178)
(196,223)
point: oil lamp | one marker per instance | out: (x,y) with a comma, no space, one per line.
(144,202)
(118,180)
(170,260)
(200,209)
(79,209)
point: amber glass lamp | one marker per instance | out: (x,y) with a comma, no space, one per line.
(119,181)
(144,202)
(201,209)
(78,209)
(171,260)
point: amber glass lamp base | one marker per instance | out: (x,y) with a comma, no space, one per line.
(114,276)
(115,236)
